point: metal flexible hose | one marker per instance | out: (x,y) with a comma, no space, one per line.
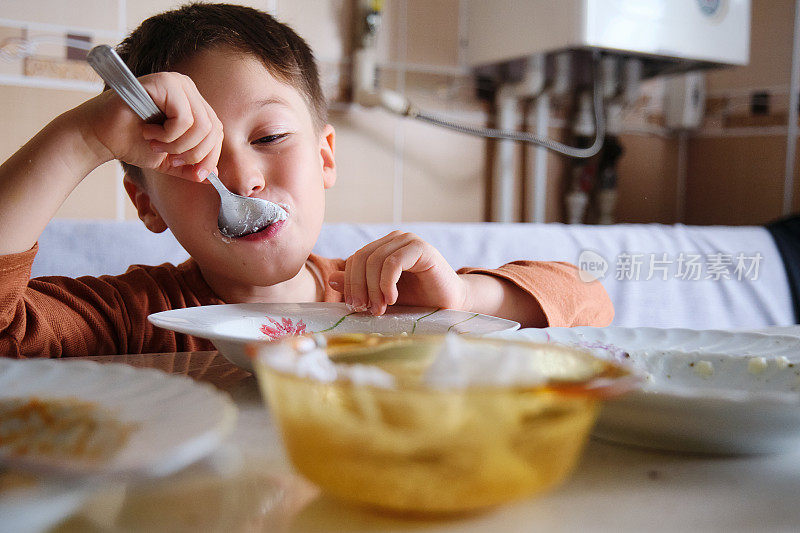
(521,136)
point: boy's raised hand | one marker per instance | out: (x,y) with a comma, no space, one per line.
(399,268)
(186,145)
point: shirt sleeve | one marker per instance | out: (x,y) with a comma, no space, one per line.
(565,299)
(57,316)
(324,268)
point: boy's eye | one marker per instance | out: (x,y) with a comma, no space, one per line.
(267,139)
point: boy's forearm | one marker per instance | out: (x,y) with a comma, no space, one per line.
(36,180)
(490,295)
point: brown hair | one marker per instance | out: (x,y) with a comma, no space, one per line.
(164,40)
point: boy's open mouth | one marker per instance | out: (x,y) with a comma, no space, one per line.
(266,232)
(267,228)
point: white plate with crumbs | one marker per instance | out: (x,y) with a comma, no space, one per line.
(232,326)
(705,391)
(80,419)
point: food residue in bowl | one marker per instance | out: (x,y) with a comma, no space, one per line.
(740,372)
(756,365)
(703,368)
(11,480)
(62,428)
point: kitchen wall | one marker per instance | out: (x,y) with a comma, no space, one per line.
(736,160)
(392,169)
(389,169)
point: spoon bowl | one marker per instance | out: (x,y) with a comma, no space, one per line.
(242,215)
(238,215)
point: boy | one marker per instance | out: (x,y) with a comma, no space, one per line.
(232,69)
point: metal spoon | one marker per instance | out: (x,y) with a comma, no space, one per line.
(238,215)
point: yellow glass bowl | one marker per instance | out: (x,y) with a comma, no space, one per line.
(422,450)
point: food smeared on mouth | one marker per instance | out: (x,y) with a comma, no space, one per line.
(264,226)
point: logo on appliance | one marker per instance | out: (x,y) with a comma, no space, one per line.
(710,7)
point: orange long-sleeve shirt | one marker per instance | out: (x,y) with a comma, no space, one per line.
(57,316)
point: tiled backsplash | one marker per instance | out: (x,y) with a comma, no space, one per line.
(389,169)
(393,169)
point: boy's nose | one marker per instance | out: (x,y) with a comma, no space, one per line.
(240,174)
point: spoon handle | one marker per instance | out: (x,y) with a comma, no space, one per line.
(105,61)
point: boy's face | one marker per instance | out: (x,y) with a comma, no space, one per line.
(270,150)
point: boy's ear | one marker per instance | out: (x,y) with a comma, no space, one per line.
(141,201)
(327,143)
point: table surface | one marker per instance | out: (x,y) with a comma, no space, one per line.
(249,485)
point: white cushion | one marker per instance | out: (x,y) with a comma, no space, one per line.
(74,248)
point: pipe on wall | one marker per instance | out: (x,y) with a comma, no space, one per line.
(505,163)
(791,137)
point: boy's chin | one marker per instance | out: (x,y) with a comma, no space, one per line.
(263,274)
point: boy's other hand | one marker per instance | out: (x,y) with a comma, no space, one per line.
(399,268)
(186,145)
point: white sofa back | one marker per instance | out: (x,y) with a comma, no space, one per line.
(741,281)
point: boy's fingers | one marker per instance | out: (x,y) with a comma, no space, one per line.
(200,128)
(201,154)
(348,284)
(209,162)
(356,293)
(376,262)
(177,96)
(199,150)
(151,131)
(179,120)
(396,263)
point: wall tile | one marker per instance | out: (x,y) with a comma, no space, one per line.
(735,180)
(11,63)
(392,36)
(138,10)
(30,109)
(443,174)
(770,49)
(365,167)
(49,44)
(647,185)
(97,14)
(432,32)
(335,81)
(453,95)
(324,24)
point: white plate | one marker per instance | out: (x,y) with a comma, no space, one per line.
(176,420)
(231,327)
(704,391)
(37,507)
(790,331)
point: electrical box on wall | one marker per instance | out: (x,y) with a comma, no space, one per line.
(684,101)
(681,34)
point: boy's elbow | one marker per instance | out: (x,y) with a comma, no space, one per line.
(602,311)
(595,307)
(591,304)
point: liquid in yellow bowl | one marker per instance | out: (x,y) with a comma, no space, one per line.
(423,450)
